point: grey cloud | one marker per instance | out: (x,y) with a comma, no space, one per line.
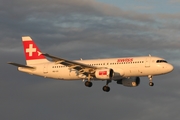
(25,9)
(174,1)
(166,16)
(49,20)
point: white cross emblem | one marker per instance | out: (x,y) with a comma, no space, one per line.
(30,50)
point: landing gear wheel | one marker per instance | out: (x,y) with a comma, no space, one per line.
(106,88)
(151,84)
(88,84)
(150,80)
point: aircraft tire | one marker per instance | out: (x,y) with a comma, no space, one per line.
(88,84)
(106,88)
(151,84)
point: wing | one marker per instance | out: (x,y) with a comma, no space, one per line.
(82,68)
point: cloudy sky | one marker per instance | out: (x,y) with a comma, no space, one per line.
(87,29)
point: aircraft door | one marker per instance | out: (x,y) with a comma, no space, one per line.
(147,61)
(45,69)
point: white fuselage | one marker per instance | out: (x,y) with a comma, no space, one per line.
(123,67)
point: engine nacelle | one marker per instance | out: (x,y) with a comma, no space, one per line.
(104,74)
(129,82)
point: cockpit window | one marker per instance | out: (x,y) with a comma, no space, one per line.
(161,61)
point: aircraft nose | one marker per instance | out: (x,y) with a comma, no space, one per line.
(170,68)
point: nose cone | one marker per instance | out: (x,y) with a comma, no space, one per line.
(170,68)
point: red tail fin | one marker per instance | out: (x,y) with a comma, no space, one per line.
(32,53)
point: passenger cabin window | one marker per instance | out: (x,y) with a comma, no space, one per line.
(161,61)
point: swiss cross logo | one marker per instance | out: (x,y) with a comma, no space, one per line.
(102,72)
(30,50)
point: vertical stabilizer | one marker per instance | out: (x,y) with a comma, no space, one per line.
(32,53)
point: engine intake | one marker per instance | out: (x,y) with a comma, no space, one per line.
(104,74)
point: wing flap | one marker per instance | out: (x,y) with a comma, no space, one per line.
(82,68)
(20,65)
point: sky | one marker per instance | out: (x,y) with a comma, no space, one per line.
(89,29)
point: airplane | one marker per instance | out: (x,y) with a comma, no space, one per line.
(125,71)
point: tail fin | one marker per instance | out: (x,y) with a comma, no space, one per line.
(32,53)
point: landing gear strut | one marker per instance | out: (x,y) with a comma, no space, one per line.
(106,88)
(150,80)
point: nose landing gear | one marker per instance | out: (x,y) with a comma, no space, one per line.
(150,80)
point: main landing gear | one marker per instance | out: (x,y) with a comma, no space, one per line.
(88,84)
(150,80)
(106,88)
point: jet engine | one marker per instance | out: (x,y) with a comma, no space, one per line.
(104,74)
(129,82)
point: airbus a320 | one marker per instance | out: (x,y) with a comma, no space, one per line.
(125,71)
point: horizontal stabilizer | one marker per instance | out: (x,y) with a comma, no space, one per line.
(20,65)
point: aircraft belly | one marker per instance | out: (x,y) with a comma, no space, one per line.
(135,71)
(64,74)
(140,71)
